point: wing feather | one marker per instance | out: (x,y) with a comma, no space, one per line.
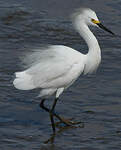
(52,67)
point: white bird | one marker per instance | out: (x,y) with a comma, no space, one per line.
(56,67)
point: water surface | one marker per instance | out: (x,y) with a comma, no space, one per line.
(93,99)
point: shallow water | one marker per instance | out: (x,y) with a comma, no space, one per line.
(93,99)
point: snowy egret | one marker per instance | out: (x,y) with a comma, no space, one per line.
(56,67)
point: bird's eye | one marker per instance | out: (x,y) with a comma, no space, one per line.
(92,20)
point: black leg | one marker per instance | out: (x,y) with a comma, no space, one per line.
(51,114)
(42,105)
(52,121)
(57,116)
(62,120)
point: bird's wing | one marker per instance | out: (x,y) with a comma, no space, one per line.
(38,55)
(50,65)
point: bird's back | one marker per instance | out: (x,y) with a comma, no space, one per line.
(58,66)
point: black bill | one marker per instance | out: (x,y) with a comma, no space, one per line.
(104,28)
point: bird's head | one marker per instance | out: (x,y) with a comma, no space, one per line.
(89,17)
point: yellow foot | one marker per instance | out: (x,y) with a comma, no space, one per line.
(70,122)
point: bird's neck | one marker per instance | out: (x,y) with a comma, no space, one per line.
(93,57)
(89,38)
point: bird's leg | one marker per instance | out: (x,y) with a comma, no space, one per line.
(62,120)
(51,114)
(42,105)
(67,122)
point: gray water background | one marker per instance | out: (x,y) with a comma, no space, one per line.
(93,99)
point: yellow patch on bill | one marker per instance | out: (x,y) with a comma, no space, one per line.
(95,21)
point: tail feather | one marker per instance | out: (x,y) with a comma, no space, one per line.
(23,81)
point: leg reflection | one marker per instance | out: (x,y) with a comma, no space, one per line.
(61,130)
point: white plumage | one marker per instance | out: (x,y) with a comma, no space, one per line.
(57,71)
(56,67)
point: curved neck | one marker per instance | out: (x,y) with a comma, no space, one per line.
(93,57)
(89,37)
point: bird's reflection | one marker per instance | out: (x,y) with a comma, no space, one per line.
(60,130)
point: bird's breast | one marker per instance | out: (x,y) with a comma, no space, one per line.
(91,64)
